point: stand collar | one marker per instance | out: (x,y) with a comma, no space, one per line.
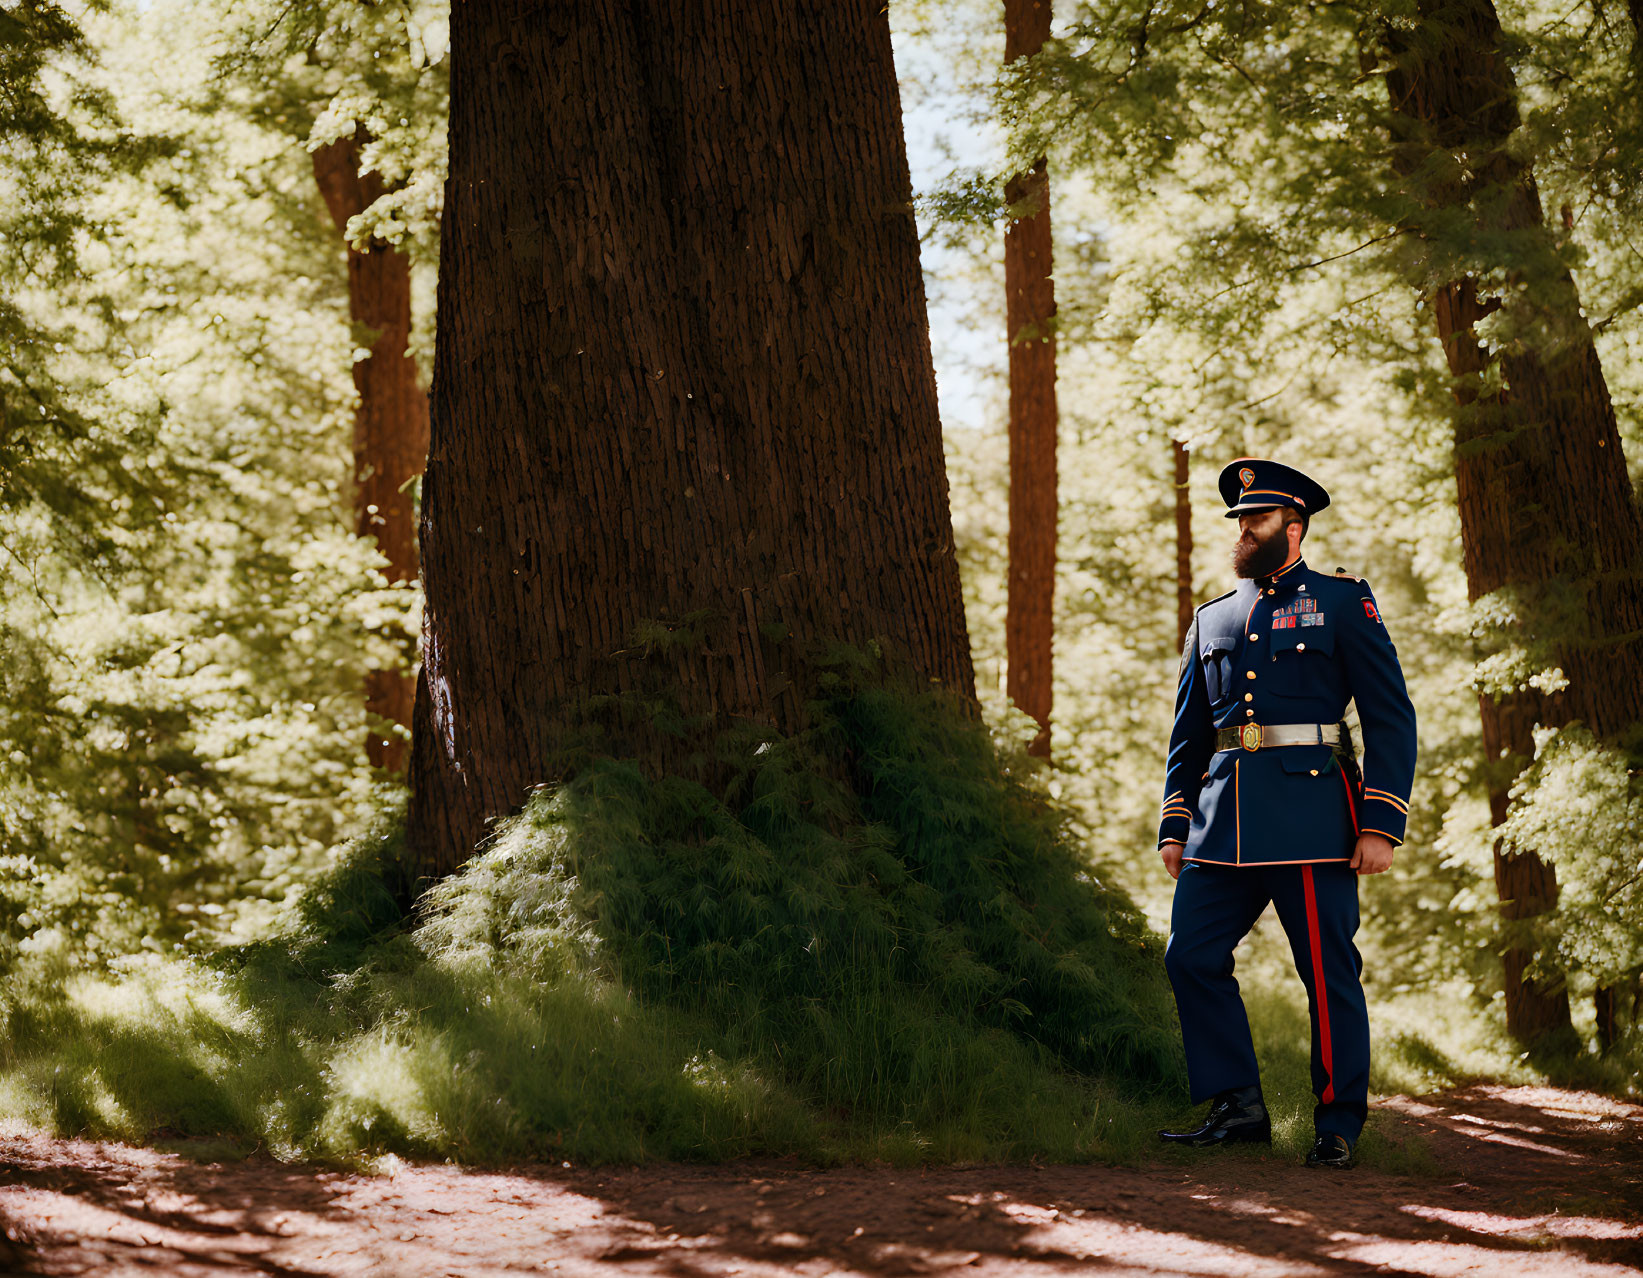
(1283,576)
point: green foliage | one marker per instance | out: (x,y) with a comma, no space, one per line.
(321,70)
(636,967)
(356,906)
(1239,267)
(185,616)
(62,136)
(1580,805)
(865,943)
(795,911)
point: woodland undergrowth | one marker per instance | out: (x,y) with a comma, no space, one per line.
(877,939)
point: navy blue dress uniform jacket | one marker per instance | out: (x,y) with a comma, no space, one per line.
(1290,649)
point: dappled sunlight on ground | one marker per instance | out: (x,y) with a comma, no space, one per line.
(1550,1226)
(1559,1196)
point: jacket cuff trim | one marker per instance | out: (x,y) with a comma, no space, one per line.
(1386,796)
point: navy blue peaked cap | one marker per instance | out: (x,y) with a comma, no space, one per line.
(1251,483)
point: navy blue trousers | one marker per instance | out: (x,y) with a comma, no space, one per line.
(1215,907)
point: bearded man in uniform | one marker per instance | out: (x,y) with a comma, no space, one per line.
(1265,802)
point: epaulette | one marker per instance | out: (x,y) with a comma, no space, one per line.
(1342,572)
(1215,600)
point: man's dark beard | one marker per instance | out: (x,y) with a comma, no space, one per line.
(1252,558)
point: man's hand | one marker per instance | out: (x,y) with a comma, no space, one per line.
(1172,853)
(1373,855)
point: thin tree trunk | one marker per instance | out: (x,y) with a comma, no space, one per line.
(1547,508)
(1029,620)
(390,424)
(683,374)
(1607,1007)
(1183,544)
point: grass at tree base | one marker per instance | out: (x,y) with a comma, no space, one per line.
(916,963)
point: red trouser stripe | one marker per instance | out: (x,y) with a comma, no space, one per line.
(1321,993)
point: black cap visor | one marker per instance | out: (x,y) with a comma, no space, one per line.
(1253,509)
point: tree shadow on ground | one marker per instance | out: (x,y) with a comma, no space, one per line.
(1537,1181)
(82,1206)
(1534,1181)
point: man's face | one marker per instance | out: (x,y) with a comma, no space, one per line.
(1262,545)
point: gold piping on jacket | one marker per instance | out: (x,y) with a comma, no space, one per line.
(1386,796)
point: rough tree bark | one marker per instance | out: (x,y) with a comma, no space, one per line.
(1029,619)
(391,423)
(1547,508)
(683,370)
(1183,544)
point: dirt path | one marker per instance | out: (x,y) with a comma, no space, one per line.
(1546,1182)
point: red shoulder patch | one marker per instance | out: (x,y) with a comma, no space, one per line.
(1369,610)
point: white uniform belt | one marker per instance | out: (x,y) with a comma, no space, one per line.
(1263,736)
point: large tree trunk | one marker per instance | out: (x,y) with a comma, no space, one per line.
(683,367)
(391,423)
(1183,544)
(1547,508)
(1029,619)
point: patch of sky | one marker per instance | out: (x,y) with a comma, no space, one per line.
(945,114)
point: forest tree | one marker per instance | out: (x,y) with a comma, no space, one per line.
(391,422)
(1029,285)
(683,379)
(1547,508)
(1296,166)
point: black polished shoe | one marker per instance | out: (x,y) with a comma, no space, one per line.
(1330,1150)
(1235,1117)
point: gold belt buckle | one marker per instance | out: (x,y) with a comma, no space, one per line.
(1249,736)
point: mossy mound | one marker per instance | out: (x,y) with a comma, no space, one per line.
(876,939)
